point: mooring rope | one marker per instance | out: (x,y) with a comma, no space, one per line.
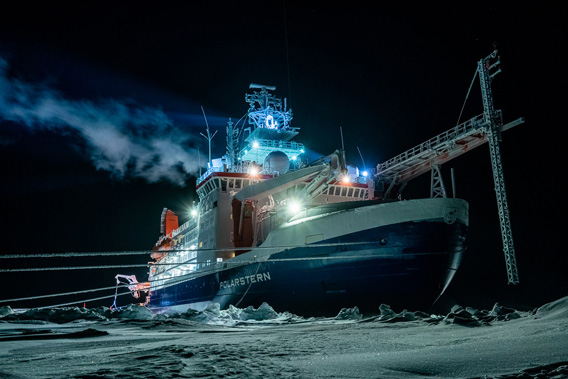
(191,262)
(148,252)
(187,277)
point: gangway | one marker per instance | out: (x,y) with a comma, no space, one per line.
(395,173)
(437,150)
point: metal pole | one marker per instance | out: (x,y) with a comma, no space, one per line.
(453,182)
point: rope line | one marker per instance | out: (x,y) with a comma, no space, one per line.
(190,276)
(75,254)
(148,252)
(58,294)
(81,301)
(181,279)
(191,262)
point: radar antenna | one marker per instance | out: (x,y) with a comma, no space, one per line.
(209,137)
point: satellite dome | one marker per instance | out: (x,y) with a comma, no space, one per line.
(276,162)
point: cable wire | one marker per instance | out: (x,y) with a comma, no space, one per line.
(467,96)
(190,262)
(192,276)
(148,252)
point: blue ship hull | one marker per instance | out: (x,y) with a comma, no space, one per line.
(404,265)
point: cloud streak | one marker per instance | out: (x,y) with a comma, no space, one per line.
(127,140)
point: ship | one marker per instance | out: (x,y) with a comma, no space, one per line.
(310,238)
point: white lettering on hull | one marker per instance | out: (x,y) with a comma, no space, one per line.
(245,280)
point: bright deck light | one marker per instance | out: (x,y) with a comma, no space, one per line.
(255,145)
(253,171)
(193,212)
(294,206)
(365,174)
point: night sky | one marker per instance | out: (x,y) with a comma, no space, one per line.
(100,115)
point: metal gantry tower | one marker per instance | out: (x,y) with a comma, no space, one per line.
(437,188)
(394,174)
(487,69)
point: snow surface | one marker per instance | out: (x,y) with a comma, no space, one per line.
(251,343)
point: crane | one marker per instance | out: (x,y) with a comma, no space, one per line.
(394,174)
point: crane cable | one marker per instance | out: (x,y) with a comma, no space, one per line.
(467,96)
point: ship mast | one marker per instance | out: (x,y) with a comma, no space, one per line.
(208,137)
(232,144)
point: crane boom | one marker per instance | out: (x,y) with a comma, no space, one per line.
(437,150)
